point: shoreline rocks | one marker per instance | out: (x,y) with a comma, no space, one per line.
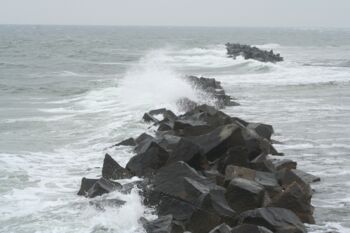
(205,171)
(250,52)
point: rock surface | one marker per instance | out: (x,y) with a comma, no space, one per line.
(250,52)
(205,171)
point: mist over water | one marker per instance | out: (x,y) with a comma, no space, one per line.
(68,93)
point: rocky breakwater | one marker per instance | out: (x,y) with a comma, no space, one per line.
(250,52)
(205,171)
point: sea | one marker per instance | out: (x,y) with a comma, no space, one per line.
(67,93)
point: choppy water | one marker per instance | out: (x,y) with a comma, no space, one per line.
(67,93)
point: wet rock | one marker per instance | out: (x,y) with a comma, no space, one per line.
(188,152)
(169,116)
(157,111)
(278,220)
(249,52)
(296,199)
(103,186)
(112,170)
(215,144)
(263,130)
(149,118)
(306,177)
(266,179)
(237,155)
(250,228)
(243,194)
(143,137)
(127,142)
(215,175)
(284,164)
(151,157)
(222,228)
(163,224)
(86,184)
(181,181)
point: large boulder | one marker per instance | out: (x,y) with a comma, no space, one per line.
(86,184)
(263,130)
(296,199)
(278,220)
(266,179)
(243,194)
(237,155)
(112,170)
(103,186)
(188,152)
(182,181)
(250,228)
(215,143)
(151,158)
(127,142)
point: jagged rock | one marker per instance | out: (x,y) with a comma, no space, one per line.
(250,228)
(265,165)
(249,52)
(296,199)
(181,181)
(222,228)
(112,170)
(214,144)
(127,142)
(163,224)
(263,130)
(284,164)
(143,137)
(237,155)
(306,177)
(287,177)
(151,157)
(214,209)
(266,179)
(243,194)
(188,152)
(215,175)
(169,116)
(157,111)
(86,184)
(149,118)
(278,220)
(103,186)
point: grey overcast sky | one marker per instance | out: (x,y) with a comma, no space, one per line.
(252,13)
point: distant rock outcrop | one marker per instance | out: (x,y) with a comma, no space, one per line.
(250,52)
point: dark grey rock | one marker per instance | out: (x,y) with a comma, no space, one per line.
(86,184)
(151,158)
(249,52)
(243,194)
(278,220)
(103,186)
(112,170)
(250,228)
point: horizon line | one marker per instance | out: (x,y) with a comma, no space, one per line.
(172,26)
